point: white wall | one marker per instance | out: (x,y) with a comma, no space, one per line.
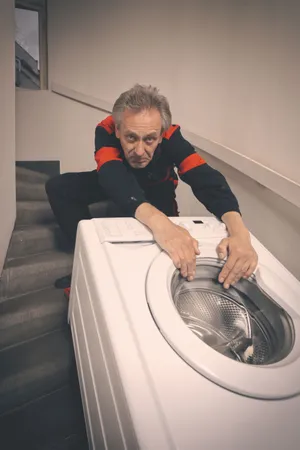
(50,127)
(229,69)
(7,126)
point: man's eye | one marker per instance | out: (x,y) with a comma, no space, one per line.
(149,140)
(131,138)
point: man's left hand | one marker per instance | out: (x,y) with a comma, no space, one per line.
(241,258)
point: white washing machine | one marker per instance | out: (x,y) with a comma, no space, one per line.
(168,364)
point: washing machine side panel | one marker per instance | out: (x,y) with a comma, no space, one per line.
(106,413)
(91,413)
(131,390)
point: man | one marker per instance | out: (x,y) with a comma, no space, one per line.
(136,150)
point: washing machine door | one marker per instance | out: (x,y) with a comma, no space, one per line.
(245,339)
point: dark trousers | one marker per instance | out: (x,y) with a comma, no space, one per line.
(70,195)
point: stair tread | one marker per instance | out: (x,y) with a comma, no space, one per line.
(29,183)
(36,239)
(27,316)
(44,422)
(39,407)
(35,368)
(27,191)
(39,259)
(34,212)
(31,273)
(35,226)
(23,173)
(31,296)
(36,204)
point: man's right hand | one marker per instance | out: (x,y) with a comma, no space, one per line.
(173,239)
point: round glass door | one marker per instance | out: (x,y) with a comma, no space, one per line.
(243,322)
(240,338)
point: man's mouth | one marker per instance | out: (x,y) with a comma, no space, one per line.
(138,161)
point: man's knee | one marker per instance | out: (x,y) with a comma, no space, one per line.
(55,186)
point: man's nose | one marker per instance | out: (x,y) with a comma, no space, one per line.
(139,149)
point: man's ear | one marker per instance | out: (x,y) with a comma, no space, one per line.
(117,132)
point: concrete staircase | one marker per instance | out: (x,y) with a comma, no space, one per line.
(40,405)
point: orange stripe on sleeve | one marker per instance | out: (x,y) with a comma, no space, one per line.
(108,124)
(167,134)
(105,154)
(190,162)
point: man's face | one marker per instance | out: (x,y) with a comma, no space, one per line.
(140,134)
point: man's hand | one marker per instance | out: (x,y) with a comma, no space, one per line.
(241,262)
(180,246)
(242,258)
(173,239)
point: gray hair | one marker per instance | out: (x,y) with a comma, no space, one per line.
(140,98)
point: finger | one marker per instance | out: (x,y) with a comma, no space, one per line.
(191,266)
(233,268)
(235,273)
(183,264)
(188,260)
(245,268)
(174,255)
(188,256)
(251,269)
(222,248)
(227,268)
(180,263)
(196,247)
(241,273)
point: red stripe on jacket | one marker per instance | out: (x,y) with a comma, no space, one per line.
(167,134)
(108,124)
(105,154)
(190,162)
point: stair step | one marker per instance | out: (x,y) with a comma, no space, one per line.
(35,368)
(53,422)
(35,239)
(31,315)
(23,174)
(33,273)
(37,212)
(40,212)
(30,191)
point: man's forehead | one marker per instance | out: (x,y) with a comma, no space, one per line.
(142,131)
(144,121)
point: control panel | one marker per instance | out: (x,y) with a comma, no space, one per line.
(131,230)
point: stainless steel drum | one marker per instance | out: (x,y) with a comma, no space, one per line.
(242,322)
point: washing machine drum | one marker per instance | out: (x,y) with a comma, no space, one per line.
(226,334)
(243,323)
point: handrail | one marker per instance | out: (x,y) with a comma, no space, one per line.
(81,98)
(281,185)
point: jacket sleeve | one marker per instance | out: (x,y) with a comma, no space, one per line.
(208,185)
(114,177)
